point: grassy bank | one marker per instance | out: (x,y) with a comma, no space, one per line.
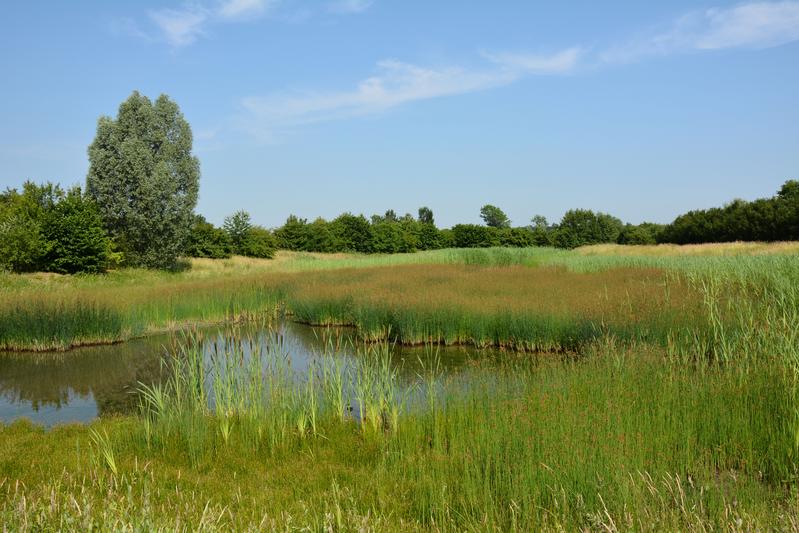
(621,438)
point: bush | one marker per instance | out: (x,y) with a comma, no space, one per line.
(320,238)
(636,235)
(205,240)
(22,245)
(581,227)
(77,241)
(293,235)
(259,242)
(42,228)
(352,233)
(474,236)
(429,237)
(515,237)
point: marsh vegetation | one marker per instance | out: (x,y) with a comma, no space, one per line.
(644,391)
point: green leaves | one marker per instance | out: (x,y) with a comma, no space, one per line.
(145,180)
(43,228)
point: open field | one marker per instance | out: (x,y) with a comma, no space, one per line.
(672,402)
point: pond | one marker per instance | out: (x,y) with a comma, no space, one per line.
(85,383)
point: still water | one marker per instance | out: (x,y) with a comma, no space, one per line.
(85,383)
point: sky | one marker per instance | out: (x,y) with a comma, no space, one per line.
(640,109)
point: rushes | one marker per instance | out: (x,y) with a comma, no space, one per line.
(102,447)
(241,392)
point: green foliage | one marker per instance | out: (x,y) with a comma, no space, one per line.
(77,241)
(581,227)
(258,242)
(426,215)
(205,240)
(22,246)
(428,237)
(247,239)
(320,237)
(515,237)
(237,226)
(293,235)
(388,238)
(145,180)
(768,219)
(42,228)
(494,217)
(474,236)
(645,233)
(352,233)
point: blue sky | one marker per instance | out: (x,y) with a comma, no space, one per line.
(641,109)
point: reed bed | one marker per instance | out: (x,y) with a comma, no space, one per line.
(675,405)
(545,309)
(526,299)
(623,437)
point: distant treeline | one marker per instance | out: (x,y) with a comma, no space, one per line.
(767,219)
(43,227)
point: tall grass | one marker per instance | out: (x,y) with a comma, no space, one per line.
(621,435)
(245,392)
(482,297)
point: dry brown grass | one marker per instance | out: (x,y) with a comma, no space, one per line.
(504,306)
(709,249)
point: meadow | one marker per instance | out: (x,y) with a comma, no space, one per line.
(635,389)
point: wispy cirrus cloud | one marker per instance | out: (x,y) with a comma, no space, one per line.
(183,26)
(350,6)
(558,63)
(238,9)
(180,27)
(395,83)
(751,25)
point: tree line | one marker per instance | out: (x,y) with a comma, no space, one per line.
(137,209)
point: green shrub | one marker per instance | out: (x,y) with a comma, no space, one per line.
(636,235)
(42,228)
(259,243)
(515,237)
(205,240)
(320,238)
(352,233)
(293,235)
(77,241)
(581,227)
(474,236)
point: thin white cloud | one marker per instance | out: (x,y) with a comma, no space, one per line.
(757,25)
(238,9)
(183,26)
(396,83)
(559,63)
(180,27)
(750,25)
(350,6)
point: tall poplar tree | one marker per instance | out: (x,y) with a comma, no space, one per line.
(145,179)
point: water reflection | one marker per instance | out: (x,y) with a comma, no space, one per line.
(80,385)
